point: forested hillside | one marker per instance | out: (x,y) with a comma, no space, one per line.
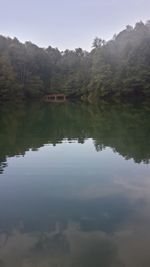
(116,68)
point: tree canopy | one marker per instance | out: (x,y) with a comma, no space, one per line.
(116,68)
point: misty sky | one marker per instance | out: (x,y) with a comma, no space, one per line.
(69,23)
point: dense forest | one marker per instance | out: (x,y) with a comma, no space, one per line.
(116,68)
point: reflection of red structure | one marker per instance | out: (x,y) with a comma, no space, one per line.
(55,98)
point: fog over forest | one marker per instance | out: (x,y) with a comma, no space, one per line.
(118,68)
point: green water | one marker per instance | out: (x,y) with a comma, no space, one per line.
(74,185)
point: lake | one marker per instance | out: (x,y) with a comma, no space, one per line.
(74,185)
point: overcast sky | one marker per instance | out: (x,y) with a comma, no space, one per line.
(69,23)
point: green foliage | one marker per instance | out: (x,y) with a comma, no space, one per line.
(121,66)
(117,68)
(8,84)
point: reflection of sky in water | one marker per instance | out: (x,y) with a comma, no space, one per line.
(72,170)
(71,205)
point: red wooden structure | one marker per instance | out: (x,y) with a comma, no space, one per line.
(55,98)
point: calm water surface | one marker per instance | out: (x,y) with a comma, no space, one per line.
(74,185)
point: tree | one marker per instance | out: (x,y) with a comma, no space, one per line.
(8,85)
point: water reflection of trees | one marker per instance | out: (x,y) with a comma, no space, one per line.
(124,128)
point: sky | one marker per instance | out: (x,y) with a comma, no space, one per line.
(69,23)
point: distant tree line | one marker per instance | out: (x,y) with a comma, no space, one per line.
(116,68)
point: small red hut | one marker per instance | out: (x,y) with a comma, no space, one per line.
(55,98)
